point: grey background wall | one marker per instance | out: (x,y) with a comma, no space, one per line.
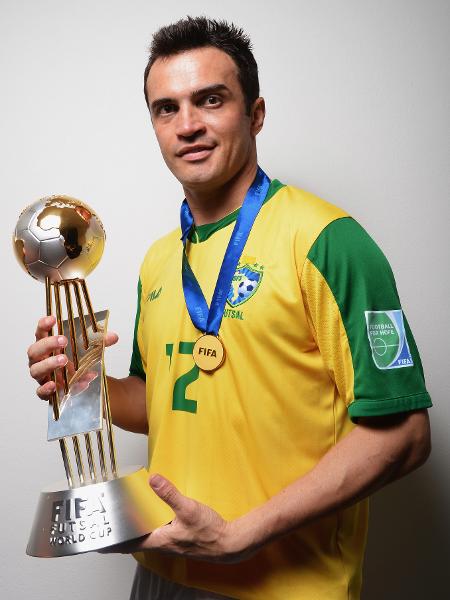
(357,94)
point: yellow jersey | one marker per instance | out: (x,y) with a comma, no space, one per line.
(315,338)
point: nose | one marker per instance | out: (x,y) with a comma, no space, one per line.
(189,123)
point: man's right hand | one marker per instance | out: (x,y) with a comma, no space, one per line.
(127,396)
(42,363)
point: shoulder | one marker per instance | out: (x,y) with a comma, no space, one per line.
(344,243)
(314,211)
(303,214)
(160,251)
(325,234)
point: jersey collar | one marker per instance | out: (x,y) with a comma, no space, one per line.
(201,233)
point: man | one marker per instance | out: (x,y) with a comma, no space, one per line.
(260,462)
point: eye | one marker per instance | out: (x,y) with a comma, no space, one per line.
(212,100)
(166,109)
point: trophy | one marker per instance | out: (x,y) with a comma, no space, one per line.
(59,240)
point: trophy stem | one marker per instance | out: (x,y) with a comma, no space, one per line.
(92,470)
(76,287)
(79,459)
(73,339)
(109,428)
(48,301)
(89,305)
(66,461)
(101,454)
(61,332)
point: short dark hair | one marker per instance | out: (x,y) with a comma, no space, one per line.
(199,32)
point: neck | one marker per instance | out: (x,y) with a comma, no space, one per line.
(209,206)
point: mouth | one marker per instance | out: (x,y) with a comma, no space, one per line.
(195,152)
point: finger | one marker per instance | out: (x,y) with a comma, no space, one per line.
(44,347)
(111,338)
(166,491)
(41,370)
(184,507)
(44,326)
(45,391)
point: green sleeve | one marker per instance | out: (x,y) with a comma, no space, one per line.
(136,367)
(388,375)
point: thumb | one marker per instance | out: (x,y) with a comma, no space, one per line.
(168,493)
(111,338)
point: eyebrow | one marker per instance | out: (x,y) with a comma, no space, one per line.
(209,89)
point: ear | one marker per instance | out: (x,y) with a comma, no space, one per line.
(257,115)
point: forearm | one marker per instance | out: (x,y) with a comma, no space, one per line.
(361,463)
(127,402)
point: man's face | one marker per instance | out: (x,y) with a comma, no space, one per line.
(198,114)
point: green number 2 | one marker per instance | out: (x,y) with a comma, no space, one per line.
(179,401)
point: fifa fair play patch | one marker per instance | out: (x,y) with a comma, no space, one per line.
(387,339)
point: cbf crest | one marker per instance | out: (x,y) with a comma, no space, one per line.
(246,282)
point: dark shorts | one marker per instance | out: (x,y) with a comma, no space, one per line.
(149,586)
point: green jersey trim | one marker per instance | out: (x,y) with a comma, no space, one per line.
(389,406)
(136,366)
(360,279)
(202,232)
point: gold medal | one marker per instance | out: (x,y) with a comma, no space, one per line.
(208,353)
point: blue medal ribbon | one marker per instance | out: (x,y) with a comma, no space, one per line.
(206,319)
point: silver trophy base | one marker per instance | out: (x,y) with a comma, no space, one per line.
(91,517)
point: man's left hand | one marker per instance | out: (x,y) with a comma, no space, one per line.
(197,531)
